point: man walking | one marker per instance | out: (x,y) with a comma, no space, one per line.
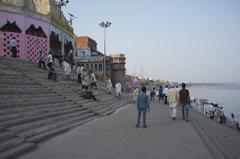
(172,98)
(160,93)
(165,94)
(184,99)
(118,89)
(152,94)
(142,106)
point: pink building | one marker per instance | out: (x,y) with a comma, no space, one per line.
(28,45)
(37,26)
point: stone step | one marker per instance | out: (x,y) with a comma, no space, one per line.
(226,146)
(211,147)
(16,151)
(35,99)
(23,91)
(34,107)
(15,79)
(226,149)
(102,106)
(218,136)
(25,120)
(17,86)
(45,135)
(11,75)
(84,102)
(227,137)
(30,96)
(20,104)
(39,88)
(72,94)
(10,143)
(99,104)
(34,112)
(19,82)
(39,123)
(55,125)
(5,135)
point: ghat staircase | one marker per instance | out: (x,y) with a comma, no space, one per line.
(33,108)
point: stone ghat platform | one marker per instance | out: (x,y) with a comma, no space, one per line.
(33,108)
(116,137)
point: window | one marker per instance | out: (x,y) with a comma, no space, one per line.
(96,68)
(83,53)
(91,67)
(100,68)
(87,66)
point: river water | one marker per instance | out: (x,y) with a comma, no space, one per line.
(227,97)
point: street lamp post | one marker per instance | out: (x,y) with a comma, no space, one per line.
(104,25)
(61,3)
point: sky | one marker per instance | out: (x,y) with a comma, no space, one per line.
(175,40)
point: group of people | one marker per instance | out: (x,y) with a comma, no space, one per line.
(217,114)
(65,63)
(235,122)
(117,88)
(174,97)
(86,78)
(41,62)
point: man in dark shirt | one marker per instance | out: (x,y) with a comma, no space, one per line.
(184,100)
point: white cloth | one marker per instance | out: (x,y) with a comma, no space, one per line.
(165,90)
(173,112)
(135,94)
(85,78)
(50,58)
(67,68)
(78,70)
(172,97)
(109,85)
(93,78)
(118,88)
(13,43)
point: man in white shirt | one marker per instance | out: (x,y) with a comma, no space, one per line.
(165,94)
(13,44)
(50,60)
(118,89)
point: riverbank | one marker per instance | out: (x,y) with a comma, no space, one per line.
(225,96)
(215,113)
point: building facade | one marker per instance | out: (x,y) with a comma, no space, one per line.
(118,68)
(37,25)
(88,56)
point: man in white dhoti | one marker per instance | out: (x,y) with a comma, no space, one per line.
(67,69)
(172,99)
(85,80)
(118,89)
(109,86)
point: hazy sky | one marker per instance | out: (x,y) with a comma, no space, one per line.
(176,40)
